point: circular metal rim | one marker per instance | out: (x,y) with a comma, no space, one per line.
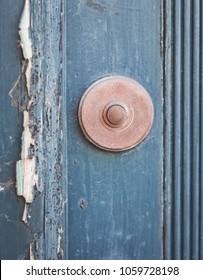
(93,85)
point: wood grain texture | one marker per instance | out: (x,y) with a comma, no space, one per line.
(46,127)
(115,200)
(41,237)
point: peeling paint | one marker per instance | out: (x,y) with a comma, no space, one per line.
(39,168)
(25,168)
(32,257)
(19,91)
(60,249)
(25,41)
(46,125)
(25,214)
(26,177)
(24,31)
(26,70)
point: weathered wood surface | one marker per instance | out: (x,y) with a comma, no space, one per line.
(87,203)
(46,127)
(115,208)
(37,103)
(15,236)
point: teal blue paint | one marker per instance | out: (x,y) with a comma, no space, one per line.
(183,224)
(142,204)
(121,194)
(15,236)
(19,178)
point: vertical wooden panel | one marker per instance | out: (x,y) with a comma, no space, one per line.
(187,86)
(183,110)
(15,236)
(177,114)
(196,131)
(201,134)
(168,112)
(46,127)
(10,69)
(115,199)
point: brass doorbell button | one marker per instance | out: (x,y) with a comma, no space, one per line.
(115,113)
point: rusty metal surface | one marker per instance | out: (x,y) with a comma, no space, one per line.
(115,113)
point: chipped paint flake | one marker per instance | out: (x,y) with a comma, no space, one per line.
(25,214)
(32,257)
(24,26)
(26,177)
(25,40)
(12,93)
(25,168)
(59,247)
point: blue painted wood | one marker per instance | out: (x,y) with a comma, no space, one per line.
(187,127)
(115,205)
(201,137)
(168,109)
(15,236)
(47,129)
(183,147)
(41,237)
(146,203)
(196,131)
(11,119)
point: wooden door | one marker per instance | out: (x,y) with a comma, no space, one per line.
(61,197)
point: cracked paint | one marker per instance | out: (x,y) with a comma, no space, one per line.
(32,257)
(39,168)
(25,168)
(36,93)
(19,91)
(60,239)
(26,177)
(25,41)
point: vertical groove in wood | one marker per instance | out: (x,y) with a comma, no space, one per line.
(177,130)
(195,131)
(186,102)
(168,129)
(183,143)
(201,134)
